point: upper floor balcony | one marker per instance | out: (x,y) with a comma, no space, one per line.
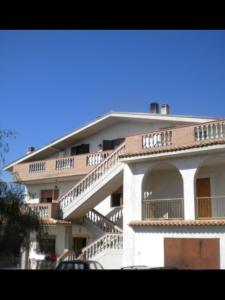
(167,138)
(59,167)
(45,210)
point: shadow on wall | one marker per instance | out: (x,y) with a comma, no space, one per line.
(116,216)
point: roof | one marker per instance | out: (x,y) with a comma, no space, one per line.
(156,223)
(98,124)
(51,221)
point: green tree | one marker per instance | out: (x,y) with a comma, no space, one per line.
(17,220)
(4,145)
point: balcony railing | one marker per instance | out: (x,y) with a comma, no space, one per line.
(163,209)
(95,158)
(157,139)
(210,207)
(66,166)
(45,210)
(176,136)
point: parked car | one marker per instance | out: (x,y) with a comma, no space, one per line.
(143,267)
(79,265)
(140,267)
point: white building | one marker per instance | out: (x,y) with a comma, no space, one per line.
(132,189)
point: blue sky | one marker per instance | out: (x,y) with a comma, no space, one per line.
(52,82)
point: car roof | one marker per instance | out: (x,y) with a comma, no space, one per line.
(78,261)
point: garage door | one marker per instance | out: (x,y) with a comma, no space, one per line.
(192,253)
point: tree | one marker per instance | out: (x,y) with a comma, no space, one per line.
(4,146)
(17,220)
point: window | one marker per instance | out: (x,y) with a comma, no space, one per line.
(78,244)
(48,195)
(116,199)
(112,144)
(47,245)
(80,149)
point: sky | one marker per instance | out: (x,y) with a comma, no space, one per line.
(55,81)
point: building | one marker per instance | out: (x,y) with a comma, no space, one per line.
(132,188)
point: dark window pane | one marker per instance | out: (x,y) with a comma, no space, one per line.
(116,199)
(80,149)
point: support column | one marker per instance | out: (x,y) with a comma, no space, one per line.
(128,208)
(188,176)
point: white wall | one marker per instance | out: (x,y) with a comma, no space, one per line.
(133,176)
(104,207)
(59,232)
(119,130)
(161,184)
(149,242)
(110,259)
(35,189)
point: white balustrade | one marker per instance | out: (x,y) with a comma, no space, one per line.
(96,158)
(64,163)
(209,131)
(41,210)
(210,207)
(91,177)
(117,215)
(37,167)
(102,222)
(108,241)
(157,139)
(163,209)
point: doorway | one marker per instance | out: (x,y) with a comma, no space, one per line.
(188,253)
(203,192)
(78,244)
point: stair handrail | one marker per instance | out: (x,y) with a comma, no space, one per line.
(106,240)
(118,151)
(66,253)
(109,222)
(116,216)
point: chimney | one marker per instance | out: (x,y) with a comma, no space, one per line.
(30,149)
(154,108)
(165,109)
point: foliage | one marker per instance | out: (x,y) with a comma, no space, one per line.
(17,221)
(4,146)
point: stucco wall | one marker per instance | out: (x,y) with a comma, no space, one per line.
(35,189)
(59,232)
(161,184)
(146,247)
(119,130)
(149,242)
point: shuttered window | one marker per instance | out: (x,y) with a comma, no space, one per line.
(48,195)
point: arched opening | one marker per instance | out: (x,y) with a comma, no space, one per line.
(162,193)
(210,189)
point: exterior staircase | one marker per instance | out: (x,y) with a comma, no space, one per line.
(103,223)
(94,187)
(109,241)
(86,194)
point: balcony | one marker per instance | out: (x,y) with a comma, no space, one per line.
(45,210)
(163,209)
(210,207)
(59,167)
(176,137)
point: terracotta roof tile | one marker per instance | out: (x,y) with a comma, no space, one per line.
(55,222)
(173,148)
(208,222)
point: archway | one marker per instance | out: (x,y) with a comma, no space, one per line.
(162,193)
(210,188)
